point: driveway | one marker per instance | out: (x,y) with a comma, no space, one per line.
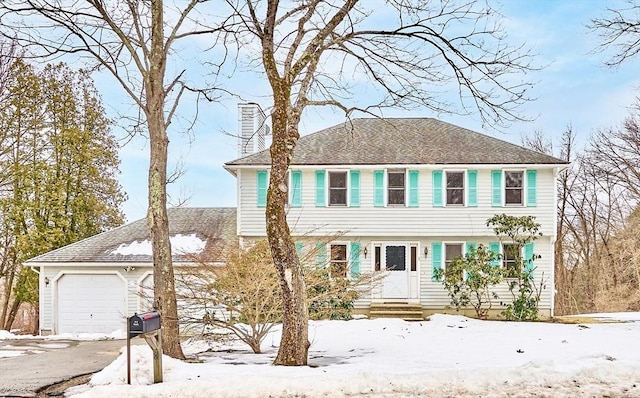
(26,366)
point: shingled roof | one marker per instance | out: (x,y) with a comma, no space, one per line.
(191,229)
(406,141)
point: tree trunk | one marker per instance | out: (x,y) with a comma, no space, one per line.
(8,290)
(11,317)
(294,344)
(164,285)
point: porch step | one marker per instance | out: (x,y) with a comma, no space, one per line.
(406,311)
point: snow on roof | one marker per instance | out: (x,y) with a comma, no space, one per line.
(180,245)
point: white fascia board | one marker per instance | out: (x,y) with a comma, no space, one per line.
(559,166)
(88,264)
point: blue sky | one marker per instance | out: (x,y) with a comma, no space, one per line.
(573,89)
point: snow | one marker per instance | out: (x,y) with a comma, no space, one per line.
(446,356)
(180,244)
(611,316)
(115,335)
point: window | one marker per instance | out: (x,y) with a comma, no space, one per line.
(510,255)
(414,258)
(338,261)
(377,257)
(337,188)
(395,187)
(396,258)
(513,187)
(455,187)
(451,251)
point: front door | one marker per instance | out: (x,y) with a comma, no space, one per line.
(396,281)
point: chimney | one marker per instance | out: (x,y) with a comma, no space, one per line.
(252,129)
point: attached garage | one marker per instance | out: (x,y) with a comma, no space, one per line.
(90,303)
(93,285)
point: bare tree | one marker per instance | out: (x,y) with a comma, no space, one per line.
(134,41)
(619,31)
(616,153)
(313,51)
(565,259)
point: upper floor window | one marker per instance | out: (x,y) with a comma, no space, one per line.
(337,188)
(513,187)
(455,187)
(395,187)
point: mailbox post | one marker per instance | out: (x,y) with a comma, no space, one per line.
(146,325)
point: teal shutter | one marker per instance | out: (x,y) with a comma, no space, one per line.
(436,258)
(532,181)
(494,247)
(299,247)
(413,188)
(378,188)
(296,188)
(496,188)
(354,197)
(528,257)
(469,247)
(321,255)
(261,179)
(320,190)
(472,188)
(354,257)
(437,188)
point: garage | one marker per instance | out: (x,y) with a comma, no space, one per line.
(90,303)
(92,285)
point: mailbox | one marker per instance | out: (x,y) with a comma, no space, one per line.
(144,323)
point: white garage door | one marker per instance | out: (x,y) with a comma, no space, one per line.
(90,303)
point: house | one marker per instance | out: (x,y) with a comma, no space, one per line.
(401,197)
(91,286)
(404,196)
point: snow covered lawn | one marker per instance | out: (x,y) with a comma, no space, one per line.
(447,356)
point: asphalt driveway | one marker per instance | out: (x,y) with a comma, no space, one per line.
(26,366)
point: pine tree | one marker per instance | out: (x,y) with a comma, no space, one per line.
(61,172)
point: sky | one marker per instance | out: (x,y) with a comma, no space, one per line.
(445,356)
(573,89)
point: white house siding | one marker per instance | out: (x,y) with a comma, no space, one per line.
(367,220)
(432,294)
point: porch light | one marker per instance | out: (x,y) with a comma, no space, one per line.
(426,251)
(365,252)
(46,281)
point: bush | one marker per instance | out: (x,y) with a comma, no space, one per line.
(469,280)
(244,295)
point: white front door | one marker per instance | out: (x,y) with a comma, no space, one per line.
(395,266)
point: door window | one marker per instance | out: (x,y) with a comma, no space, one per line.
(396,258)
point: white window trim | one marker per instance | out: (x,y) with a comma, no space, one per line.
(417,246)
(502,253)
(406,187)
(348,183)
(523,203)
(444,253)
(348,254)
(465,187)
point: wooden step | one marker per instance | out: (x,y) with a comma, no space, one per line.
(406,311)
